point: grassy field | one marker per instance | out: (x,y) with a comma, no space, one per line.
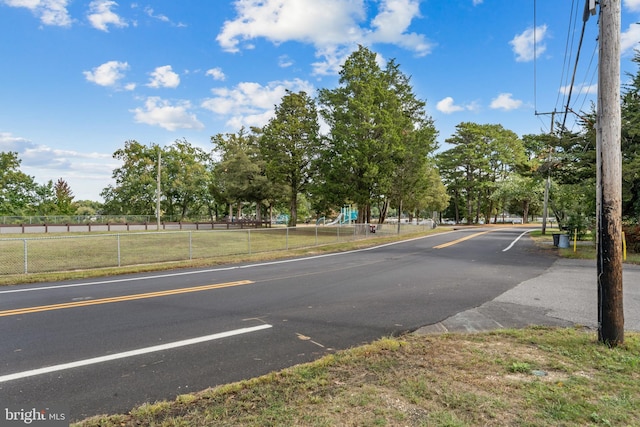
(47,253)
(83,256)
(529,377)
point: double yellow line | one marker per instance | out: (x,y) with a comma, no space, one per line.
(455,242)
(123,298)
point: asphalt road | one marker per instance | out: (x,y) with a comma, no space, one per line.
(105,346)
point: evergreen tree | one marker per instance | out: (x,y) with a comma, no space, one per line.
(290,144)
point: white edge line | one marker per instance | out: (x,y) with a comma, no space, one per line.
(132,353)
(516,240)
(213,270)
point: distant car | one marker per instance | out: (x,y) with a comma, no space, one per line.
(516,221)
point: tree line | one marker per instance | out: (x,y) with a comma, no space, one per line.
(367,142)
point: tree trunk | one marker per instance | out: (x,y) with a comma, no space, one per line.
(293,207)
(489,210)
(183,212)
(383,211)
(525,212)
(456,205)
(469,207)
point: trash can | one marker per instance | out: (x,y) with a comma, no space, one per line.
(563,241)
(556,239)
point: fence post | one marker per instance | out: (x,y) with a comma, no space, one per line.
(26,258)
(118,237)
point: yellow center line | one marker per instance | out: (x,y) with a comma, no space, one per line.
(75,304)
(455,242)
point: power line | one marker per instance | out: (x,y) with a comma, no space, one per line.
(594,73)
(568,53)
(575,69)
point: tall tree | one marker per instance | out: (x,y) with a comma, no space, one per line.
(290,143)
(134,192)
(464,165)
(63,198)
(371,115)
(240,176)
(480,157)
(520,193)
(184,179)
(17,189)
(630,110)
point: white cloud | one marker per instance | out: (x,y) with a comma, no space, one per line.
(149,11)
(505,101)
(523,44)
(284,61)
(50,12)
(108,74)
(477,2)
(160,112)
(334,27)
(632,5)
(101,15)
(580,89)
(216,73)
(86,173)
(391,24)
(630,38)
(8,142)
(251,104)
(164,77)
(447,106)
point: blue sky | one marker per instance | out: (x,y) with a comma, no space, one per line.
(79,78)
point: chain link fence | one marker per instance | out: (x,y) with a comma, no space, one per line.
(92,250)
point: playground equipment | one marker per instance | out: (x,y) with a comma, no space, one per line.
(347,216)
(335,221)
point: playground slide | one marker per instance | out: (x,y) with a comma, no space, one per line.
(335,221)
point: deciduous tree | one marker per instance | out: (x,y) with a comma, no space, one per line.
(134,192)
(17,189)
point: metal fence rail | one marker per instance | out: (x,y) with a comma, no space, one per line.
(89,251)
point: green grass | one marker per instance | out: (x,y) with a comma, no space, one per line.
(60,257)
(530,377)
(583,249)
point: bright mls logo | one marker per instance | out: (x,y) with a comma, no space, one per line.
(44,417)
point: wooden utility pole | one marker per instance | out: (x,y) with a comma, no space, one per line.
(609,178)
